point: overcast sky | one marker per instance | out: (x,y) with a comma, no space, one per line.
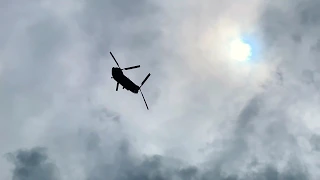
(210,117)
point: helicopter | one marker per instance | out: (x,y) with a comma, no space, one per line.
(126,83)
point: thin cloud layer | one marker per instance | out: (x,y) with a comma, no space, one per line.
(210,118)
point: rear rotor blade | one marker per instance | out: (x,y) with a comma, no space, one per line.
(114,59)
(144,100)
(145,79)
(132,67)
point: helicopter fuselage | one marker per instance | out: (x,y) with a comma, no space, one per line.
(118,76)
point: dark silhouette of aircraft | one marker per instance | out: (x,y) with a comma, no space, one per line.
(125,82)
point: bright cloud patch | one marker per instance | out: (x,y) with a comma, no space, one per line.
(239,50)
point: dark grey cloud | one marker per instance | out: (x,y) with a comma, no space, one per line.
(290,29)
(126,166)
(33,164)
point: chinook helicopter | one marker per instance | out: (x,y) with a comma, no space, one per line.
(125,82)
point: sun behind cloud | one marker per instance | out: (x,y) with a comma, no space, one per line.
(239,50)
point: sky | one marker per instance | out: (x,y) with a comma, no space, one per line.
(212,115)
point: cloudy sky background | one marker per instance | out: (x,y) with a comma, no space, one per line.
(210,117)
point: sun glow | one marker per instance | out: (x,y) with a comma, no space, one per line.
(239,50)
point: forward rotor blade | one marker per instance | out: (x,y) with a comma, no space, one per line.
(117,87)
(114,59)
(132,67)
(144,100)
(145,79)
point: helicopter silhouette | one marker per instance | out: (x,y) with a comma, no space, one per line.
(125,82)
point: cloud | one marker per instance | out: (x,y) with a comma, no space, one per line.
(128,164)
(210,117)
(32,164)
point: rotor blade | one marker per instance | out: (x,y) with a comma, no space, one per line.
(145,79)
(132,67)
(117,87)
(144,100)
(114,59)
